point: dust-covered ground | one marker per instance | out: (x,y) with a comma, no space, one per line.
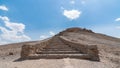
(109,53)
(109,59)
(8,62)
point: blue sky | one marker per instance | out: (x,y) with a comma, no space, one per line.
(25,20)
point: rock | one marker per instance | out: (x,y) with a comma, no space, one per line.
(32,49)
(10,53)
(75,30)
(93,52)
(27,49)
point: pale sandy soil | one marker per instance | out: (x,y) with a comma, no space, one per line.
(55,63)
(9,62)
(109,52)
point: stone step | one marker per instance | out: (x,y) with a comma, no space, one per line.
(58,46)
(54,49)
(58,56)
(58,52)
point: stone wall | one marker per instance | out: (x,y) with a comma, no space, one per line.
(32,49)
(91,50)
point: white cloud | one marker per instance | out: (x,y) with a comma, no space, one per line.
(43,37)
(72,2)
(4,18)
(72,14)
(51,33)
(118,19)
(4,8)
(19,27)
(12,32)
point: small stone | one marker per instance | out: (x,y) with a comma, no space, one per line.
(10,53)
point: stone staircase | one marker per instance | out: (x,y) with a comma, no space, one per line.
(60,53)
(57,49)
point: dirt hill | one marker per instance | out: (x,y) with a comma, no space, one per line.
(108,47)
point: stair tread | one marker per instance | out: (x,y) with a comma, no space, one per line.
(64,54)
(60,54)
(58,51)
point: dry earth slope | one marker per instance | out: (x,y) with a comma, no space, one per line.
(109,52)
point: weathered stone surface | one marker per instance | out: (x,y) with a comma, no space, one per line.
(59,56)
(32,49)
(11,53)
(59,47)
(27,49)
(91,50)
(80,47)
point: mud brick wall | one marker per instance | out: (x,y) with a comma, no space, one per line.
(91,50)
(32,49)
(27,49)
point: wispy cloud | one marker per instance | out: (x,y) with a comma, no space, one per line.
(72,14)
(51,33)
(43,37)
(12,32)
(117,19)
(4,18)
(3,7)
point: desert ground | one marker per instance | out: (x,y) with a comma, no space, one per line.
(9,62)
(109,53)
